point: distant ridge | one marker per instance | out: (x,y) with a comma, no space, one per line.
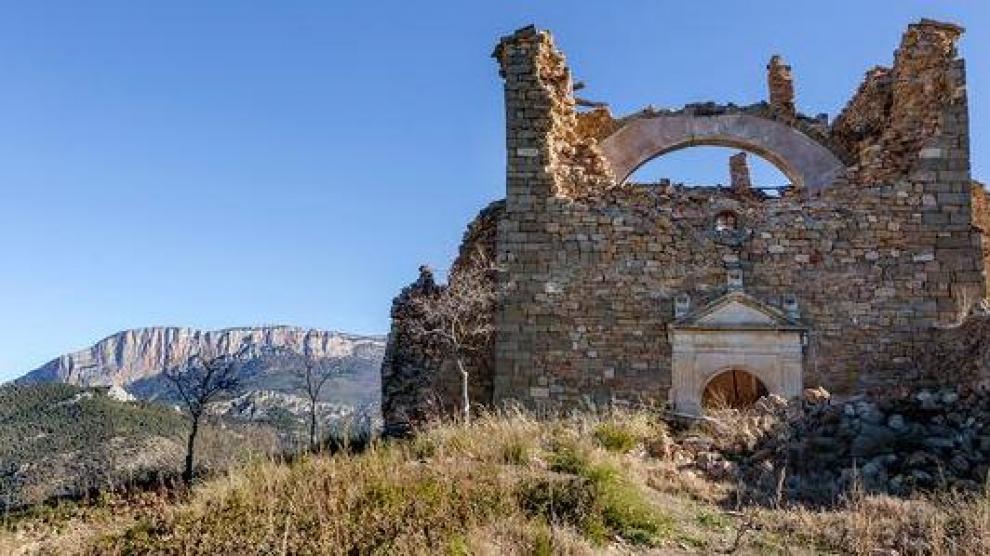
(134,359)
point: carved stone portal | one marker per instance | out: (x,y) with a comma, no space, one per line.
(739,335)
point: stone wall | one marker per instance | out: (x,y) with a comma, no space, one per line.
(739,179)
(981,221)
(897,112)
(589,269)
(780,85)
(542,123)
(418,381)
(874,261)
(861,123)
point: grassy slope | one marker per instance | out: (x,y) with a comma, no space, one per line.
(58,440)
(505,485)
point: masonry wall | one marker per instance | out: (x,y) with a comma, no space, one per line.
(419,383)
(980,206)
(881,262)
(875,261)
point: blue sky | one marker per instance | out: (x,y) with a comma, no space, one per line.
(217,163)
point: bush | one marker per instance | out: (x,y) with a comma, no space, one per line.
(561,500)
(615,438)
(598,499)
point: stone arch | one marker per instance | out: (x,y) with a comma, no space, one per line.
(806,162)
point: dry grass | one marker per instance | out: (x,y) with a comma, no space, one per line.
(506,484)
(944,523)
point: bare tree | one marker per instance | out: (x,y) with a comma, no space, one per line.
(314,373)
(457,319)
(202,378)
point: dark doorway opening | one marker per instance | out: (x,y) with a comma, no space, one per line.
(733,389)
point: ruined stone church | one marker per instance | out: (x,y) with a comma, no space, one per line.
(617,292)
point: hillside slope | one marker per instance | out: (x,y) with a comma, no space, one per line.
(60,440)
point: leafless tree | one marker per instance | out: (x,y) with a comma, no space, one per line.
(204,377)
(314,373)
(457,319)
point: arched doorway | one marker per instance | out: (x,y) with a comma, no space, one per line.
(736,332)
(734,388)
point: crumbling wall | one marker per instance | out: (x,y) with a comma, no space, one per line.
(588,270)
(861,123)
(409,366)
(874,262)
(981,221)
(597,123)
(897,112)
(780,84)
(539,98)
(419,383)
(739,179)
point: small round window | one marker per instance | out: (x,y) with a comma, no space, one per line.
(726,221)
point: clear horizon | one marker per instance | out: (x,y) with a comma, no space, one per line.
(225,165)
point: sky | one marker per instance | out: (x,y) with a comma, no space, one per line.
(230,163)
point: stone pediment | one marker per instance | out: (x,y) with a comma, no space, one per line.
(737,310)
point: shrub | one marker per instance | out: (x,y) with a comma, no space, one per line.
(626,511)
(597,500)
(564,500)
(615,438)
(569,457)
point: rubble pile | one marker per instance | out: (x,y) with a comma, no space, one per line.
(897,442)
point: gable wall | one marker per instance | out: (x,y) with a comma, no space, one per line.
(874,261)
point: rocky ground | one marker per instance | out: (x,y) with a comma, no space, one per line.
(898,442)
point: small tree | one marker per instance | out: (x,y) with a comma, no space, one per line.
(458,318)
(314,373)
(202,378)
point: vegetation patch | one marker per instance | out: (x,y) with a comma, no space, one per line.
(594,497)
(616,438)
(503,484)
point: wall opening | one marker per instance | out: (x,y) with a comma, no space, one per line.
(707,165)
(726,221)
(733,389)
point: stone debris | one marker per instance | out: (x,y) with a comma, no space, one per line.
(894,442)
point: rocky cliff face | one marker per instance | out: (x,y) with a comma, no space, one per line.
(134,359)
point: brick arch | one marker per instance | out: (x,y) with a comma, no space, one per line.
(806,162)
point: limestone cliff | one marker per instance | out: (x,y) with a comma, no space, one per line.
(134,359)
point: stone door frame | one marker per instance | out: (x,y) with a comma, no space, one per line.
(774,357)
(739,332)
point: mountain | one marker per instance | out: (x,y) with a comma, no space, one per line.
(130,363)
(87,420)
(133,360)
